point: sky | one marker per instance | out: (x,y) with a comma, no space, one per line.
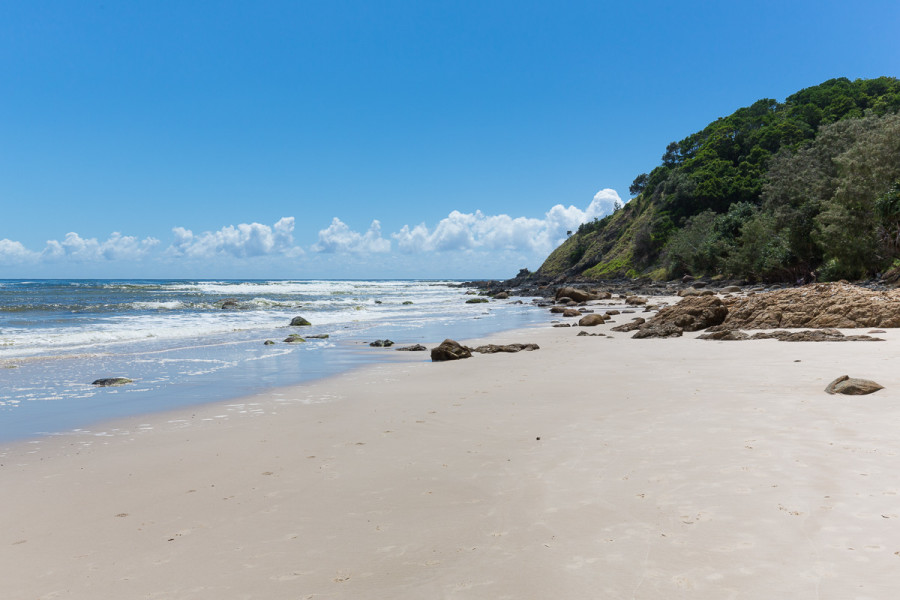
(389,139)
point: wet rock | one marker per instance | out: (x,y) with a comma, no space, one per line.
(268,343)
(501,296)
(585,333)
(318,336)
(294,338)
(476,300)
(299,322)
(413,348)
(449,350)
(229,304)
(407,302)
(381,344)
(110,381)
(852,386)
(494,348)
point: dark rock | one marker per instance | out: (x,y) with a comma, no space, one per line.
(110,381)
(725,335)
(381,343)
(562,325)
(692,313)
(852,387)
(476,300)
(501,296)
(635,324)
(662,330)
(494,348)
(413,348)
(318,336)
(591,320)
(449,350)
(294,338)
(229,303)
(299,322)
(731,289)
(583,333)
(612,312)
(268,343)
(407,302)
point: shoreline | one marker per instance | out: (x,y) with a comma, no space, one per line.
(664,468)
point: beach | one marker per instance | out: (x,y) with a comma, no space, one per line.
(595,467)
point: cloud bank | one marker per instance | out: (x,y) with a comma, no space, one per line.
(466,240)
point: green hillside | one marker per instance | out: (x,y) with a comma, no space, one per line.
(774,191)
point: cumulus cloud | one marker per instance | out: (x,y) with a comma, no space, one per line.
(338,237)
(244,240)
(15,252)
(474,231)
(116,247)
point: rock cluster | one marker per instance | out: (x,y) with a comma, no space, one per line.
(693,313)
(808,335)
(494,348)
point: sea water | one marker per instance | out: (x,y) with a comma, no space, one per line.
(192,342)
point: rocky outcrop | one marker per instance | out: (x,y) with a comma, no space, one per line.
(299,322)
(110,381)
(692,313)
(449,350)
(635,324)
(834,305)
(808,335)
(578,295)
(493,348)
(657,330)
(852,386)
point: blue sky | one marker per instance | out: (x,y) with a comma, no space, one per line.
(370,139)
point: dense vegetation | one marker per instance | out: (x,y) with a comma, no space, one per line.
(775,191)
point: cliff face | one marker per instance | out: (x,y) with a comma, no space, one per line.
(726,199)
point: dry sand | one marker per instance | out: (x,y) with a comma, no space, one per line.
(592,468)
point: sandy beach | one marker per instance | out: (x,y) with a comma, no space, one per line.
(592,468)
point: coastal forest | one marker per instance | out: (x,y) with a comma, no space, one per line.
(804,189)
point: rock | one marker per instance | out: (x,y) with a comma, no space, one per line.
(413,348)
(809,335)
(268,343)
(591,320)
(698,284)
(494,348)
(299,322)
(687,279)
(449,350)
(635,324)
(294,338)
(610,313)
(381,343)
(727,335)
(695,292)
(878,331)
(229,303)
(557,309)
(602,295)
(824,305)
(574,293)
(635,300)
(731,289)
(110,381)
(852,387)
(378,302)
(662,330)
(501,296)
(407,302)
(582,333)
(318,336)
(571,312)
(476,300)
(562,325)
(692,313)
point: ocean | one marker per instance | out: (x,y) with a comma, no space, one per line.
(186,342)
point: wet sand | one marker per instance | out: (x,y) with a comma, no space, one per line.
(591,468)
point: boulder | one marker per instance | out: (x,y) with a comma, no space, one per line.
(562,325)
(476,300)
(695,292)
(501,296)
(574,293)
(571,312)
(413,348)
(110,381)
(591,320)
(299,322)
(692,313)
(381,344)
(449,350)
(635,300)
(268,343)
(407,302)
(294,338)
(852,386)
(598,295)
(731,289)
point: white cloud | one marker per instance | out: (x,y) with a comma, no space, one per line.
(240,241)
(15,252)
(116,247)
(474,231)
(338,237)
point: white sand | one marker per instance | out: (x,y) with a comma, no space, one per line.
(665,469)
